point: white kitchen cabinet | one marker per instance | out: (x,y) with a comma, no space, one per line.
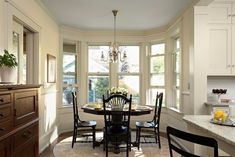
(221,26)
(219,61)
(220,13)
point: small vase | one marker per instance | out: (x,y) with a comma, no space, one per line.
(8,75)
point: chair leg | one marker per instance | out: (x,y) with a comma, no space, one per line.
(106,146)
(93,137)
(74,136)
(159,141)
(139,130)
(129,137)
(104,141)
(136,135)
(127,146)
(155,135)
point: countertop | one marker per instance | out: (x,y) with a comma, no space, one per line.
(225,133)
(218,104)
(18,86)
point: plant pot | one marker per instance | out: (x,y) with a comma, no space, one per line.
(8,75)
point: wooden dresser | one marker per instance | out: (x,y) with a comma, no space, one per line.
(19,121)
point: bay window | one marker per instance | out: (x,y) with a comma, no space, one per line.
(157,71)
(102,74)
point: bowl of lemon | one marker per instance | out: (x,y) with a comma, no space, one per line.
(221,117)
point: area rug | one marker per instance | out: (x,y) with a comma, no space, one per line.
(63,149)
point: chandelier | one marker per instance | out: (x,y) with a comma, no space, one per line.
(114,54)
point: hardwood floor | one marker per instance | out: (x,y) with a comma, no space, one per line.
(48,152)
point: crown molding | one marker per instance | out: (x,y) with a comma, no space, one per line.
(41,4)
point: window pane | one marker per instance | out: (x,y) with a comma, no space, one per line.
(177,45)
(177,62)
(153,94)
(16,52)
(157,80)
(177,98)
(158,49)
(67,97)
(132,61)
(157,64)
(94,59)
(71,48)
(131,83)
(69,62)
(98,86)
(177,80)
(69,78)
(69,69)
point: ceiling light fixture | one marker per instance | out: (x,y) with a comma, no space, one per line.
(114,53)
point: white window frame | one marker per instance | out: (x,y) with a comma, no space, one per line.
(95,73)
(132,73)
(151,87)
(76,54)
(176,88)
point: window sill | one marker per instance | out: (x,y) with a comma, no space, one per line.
(174,110)
(63,107)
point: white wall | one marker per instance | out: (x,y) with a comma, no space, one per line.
(49,43)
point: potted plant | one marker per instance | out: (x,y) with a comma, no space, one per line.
(7,67)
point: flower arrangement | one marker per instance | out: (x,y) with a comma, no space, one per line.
(118,90)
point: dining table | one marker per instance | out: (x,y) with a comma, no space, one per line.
(223,134)
(97,109)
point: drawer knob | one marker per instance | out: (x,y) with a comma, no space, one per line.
(2,129)
(1,100)
(1,115)
(27,134)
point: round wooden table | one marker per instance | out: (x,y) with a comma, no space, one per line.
(135,111)
(139,110)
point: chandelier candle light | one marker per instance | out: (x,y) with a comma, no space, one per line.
(114,53)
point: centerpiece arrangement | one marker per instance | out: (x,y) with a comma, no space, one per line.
(118,90)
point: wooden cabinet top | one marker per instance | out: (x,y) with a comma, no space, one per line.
(18,86)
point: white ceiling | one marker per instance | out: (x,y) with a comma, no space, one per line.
(132,15)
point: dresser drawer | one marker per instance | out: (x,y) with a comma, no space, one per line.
(25,135)
(5,98)
(25,106)
(5,113)
(5,127)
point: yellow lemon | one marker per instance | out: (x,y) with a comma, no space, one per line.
(220,115)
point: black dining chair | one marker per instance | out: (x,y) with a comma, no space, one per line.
(117,122)
(173,133)
(151,126)
(82,128)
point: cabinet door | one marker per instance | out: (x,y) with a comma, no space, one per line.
(220,13)
(28,150)
(25,142)
(233,49)
(219,61)
(5,148)
(25,106)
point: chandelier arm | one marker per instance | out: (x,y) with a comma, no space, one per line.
(114,53)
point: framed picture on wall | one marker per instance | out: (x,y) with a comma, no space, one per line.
(51,68)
